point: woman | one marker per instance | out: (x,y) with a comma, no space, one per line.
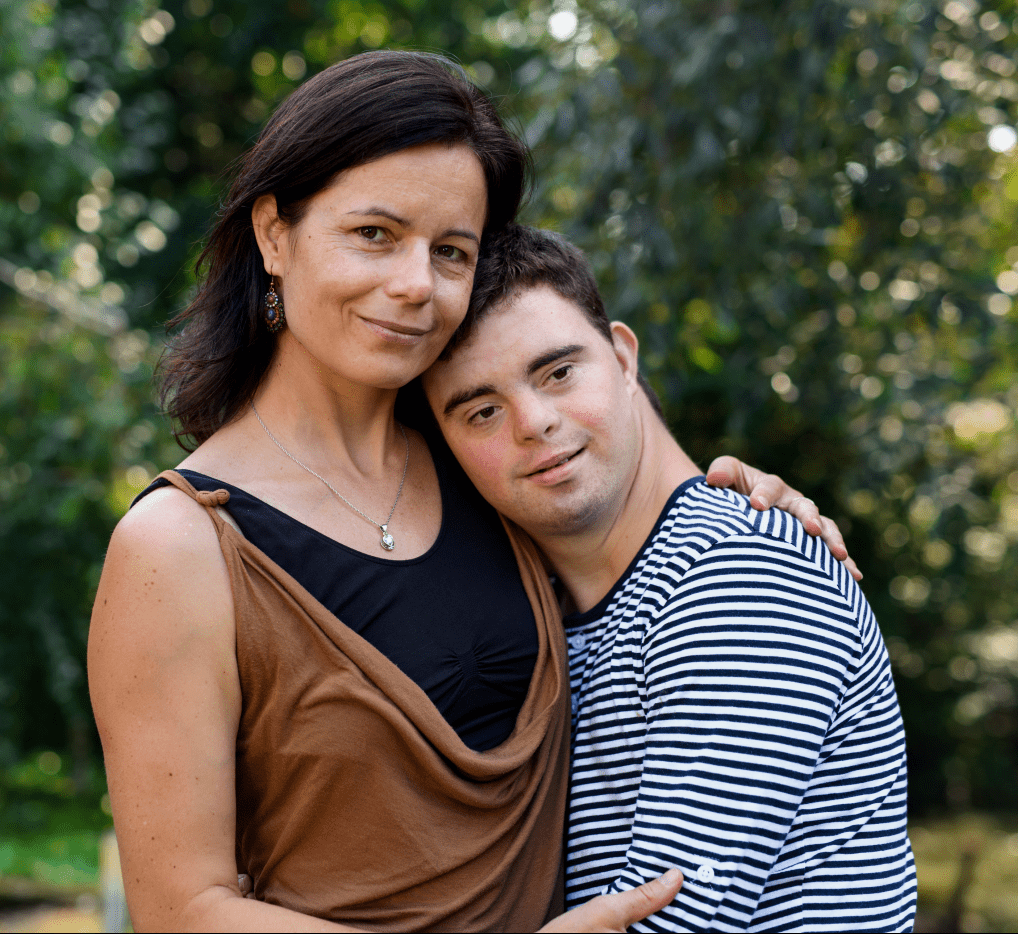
(404,768)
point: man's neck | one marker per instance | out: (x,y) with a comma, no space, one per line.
(590,562)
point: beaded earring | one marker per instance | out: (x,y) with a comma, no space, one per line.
(275,318)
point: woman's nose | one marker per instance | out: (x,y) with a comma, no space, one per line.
(413,277)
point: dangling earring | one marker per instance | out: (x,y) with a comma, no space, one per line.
(275,318)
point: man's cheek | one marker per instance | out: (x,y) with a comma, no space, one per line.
(487,463)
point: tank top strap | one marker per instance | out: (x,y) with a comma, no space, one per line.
(210,499)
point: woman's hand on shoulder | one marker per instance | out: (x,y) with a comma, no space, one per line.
(618,912)
(166,694)
(767,490)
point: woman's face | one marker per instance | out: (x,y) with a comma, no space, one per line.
(377,275)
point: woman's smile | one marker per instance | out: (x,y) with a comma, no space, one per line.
(396,333)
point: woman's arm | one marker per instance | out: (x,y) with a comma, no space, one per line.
(163,678)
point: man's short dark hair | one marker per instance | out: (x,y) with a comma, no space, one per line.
(520,258)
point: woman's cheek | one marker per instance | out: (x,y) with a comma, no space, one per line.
(455,299)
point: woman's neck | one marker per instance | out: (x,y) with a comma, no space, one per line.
(319,416)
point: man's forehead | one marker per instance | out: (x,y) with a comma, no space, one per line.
(509,338)
(528,316)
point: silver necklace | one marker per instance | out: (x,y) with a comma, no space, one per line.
(387,541)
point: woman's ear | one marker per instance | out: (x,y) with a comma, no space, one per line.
(627,351)
(269,231)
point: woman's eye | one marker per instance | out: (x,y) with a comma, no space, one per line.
(374,234)
(451,252)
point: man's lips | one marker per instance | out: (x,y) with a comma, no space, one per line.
(556,460)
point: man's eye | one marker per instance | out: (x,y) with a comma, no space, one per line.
(562,372)
(374,234)
(483,415)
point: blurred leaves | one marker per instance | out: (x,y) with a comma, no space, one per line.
(805,209)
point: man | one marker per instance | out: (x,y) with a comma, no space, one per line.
(733,708)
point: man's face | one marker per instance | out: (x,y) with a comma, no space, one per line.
(540,410)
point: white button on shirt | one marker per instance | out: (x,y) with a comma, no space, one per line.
(577,642)
(705,874)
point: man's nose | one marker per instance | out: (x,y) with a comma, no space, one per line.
(535,417)
(412,278)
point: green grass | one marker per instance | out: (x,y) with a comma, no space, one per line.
(50,830)
(991,899)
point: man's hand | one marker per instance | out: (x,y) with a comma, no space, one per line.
(615,913)
(766,490)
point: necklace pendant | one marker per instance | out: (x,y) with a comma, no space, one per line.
(388,542)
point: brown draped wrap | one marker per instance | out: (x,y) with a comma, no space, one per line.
(356,801)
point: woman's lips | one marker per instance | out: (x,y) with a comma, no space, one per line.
(395,333)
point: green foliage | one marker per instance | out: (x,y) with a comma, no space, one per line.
(796,206)
(50,825)
(799,206)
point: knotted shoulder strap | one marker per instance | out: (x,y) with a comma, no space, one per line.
(212,500)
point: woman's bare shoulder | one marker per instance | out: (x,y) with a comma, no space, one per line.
(165,525)
(164,579)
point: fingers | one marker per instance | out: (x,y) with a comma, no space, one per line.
(768,491)
(762,489)
(723,471)
(831,534)
(616,913)
(853,568)
(806,511)
(650,897)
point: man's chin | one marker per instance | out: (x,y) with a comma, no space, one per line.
(570,516)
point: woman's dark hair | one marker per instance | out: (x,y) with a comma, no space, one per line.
(354,112)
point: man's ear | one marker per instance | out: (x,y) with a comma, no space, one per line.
(269,231)
(627,351)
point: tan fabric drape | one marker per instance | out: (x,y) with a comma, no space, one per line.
(356,801)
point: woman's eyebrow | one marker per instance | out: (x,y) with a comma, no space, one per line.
(403,222)
(379,212)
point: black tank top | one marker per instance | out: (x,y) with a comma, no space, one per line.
(456,620)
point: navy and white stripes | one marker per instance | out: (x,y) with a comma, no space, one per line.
(734,715)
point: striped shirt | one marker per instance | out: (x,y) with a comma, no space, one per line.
(734,716)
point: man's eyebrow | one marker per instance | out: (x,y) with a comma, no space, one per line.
(551,356)
(374,211)
(467,395)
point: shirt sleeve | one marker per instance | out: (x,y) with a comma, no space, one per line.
(748,667)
